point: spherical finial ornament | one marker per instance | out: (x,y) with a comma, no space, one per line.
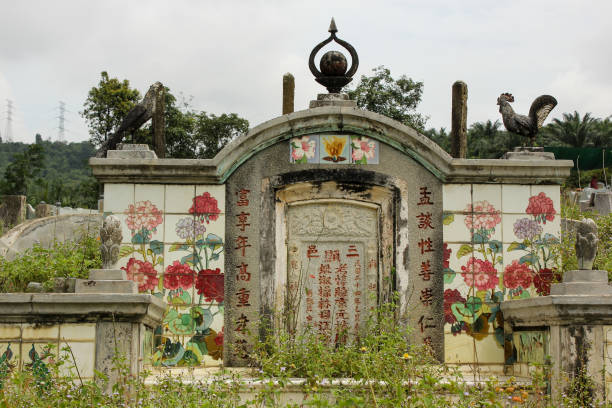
(334,73)
(333,63)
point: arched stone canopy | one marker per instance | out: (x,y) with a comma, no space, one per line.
(331,119)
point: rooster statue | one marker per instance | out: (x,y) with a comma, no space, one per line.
(525,125)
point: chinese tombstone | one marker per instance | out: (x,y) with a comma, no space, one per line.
(314,218)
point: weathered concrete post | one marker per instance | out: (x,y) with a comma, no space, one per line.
(288,93)
(159,137)
(459,120)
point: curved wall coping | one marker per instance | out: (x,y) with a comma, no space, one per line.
(80,307)
(330,119)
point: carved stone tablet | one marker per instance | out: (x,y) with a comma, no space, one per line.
(332,266)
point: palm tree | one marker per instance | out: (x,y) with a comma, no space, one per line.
(572,131)
(482,137)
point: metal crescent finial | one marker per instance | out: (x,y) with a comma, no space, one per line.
(333,83)
(332,27)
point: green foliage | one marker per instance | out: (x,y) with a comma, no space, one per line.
(440,137)
(64,175)
(382,371)
(574,131)
(189,133)
(67,259)
(106,106)
(24,167)
(567,249)
(395,98)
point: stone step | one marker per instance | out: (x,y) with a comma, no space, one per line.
(105,286)
(594,276)
(107,274)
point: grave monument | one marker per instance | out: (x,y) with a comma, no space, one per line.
(315,217)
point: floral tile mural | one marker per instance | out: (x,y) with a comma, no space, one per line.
(305,149)
(182,264)
(489,267)
(364,150)
(334,149)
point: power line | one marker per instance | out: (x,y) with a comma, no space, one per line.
(61,136)
(9,121)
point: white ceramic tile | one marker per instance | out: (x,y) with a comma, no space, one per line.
(488,192)
(84,354)
(456,197)
(552,192)
(179,198)
(217,228)
(10,331)
(80,332)
(39,332)
(217,324)
(150,192)
(457,283)
(15,348)
(176,297)
(186,223)
(489,351)
(216,191)
(508,221)
(515,198)
(485,220)
(125,231)
(118,197)
(552,227)
(458,348)
(510,256)
(124,260)
(457,231)
(456,263)
(46,351)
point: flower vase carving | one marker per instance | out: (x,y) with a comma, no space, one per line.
(110,237)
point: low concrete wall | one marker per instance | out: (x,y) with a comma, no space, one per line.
(45,231)
(94,326)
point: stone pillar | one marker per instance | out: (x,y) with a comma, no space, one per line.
(459,120)
(44,210)
(159,137)
(288,93)
(12,210)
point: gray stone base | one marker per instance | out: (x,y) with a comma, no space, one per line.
(131,151)
(107,274)
(583,282)
(105,286)
(333,99)
(529,153)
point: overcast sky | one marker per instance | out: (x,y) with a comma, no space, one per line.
(229,56)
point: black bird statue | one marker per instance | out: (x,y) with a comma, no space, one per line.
(525,125)
(135,118)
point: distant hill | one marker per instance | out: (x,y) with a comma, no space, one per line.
(66,176)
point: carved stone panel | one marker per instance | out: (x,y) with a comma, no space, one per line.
(332,265)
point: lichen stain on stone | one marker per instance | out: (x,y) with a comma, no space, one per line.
(406,258)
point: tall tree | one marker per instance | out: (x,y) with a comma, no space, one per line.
(395,98)
(487,141)
(106,105)
(24,167)
(195,135)
(213,132)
